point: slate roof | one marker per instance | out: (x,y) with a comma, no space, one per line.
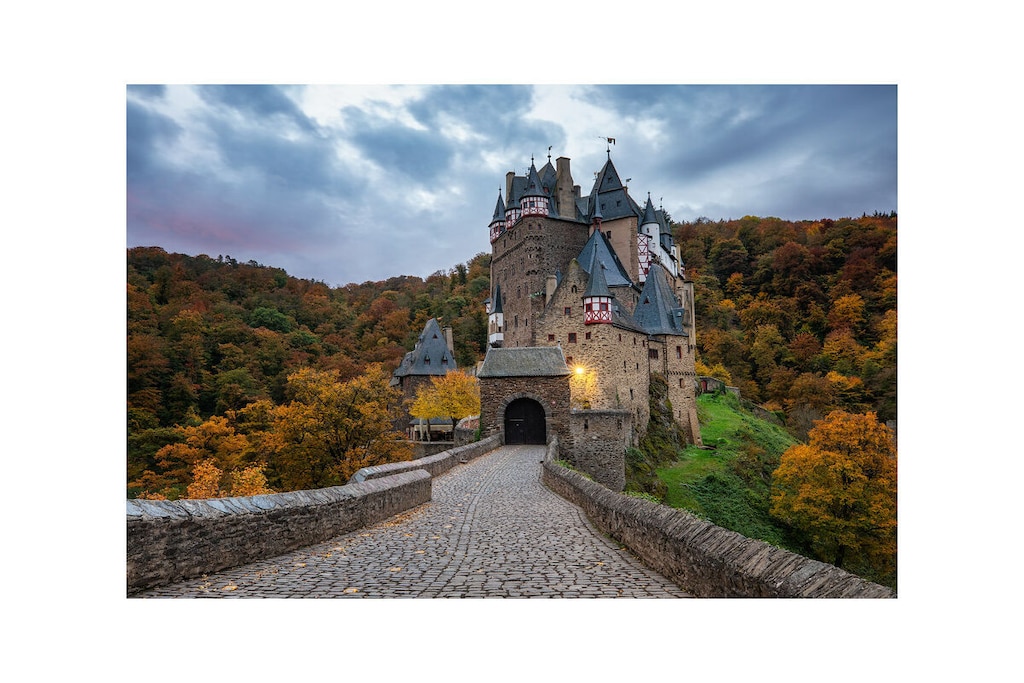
(496,304)
(431,345)
(499,210)
(614,273)
(610,196)
(525,361)
(658,312)
(598,285)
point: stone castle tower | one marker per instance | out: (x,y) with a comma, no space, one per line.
(599,276)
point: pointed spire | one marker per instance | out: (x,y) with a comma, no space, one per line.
(649,215)
(534,188)
(598,285)
(499,209)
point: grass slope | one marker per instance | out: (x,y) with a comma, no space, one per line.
(730,485)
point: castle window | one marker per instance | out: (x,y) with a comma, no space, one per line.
(586,424)
(630,394)
(551,337)
(634,341)
(679,352)
(444,360)
(574,289)
(620,336)
(568,360)
(567,310)
(572,337)
(587,336)
(426,360)
(652,354)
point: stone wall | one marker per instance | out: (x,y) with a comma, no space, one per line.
(599,442)
(433,464)
(171,541)
(700,557)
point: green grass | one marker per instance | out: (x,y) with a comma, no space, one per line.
(729,485)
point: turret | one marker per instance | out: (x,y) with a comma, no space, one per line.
(647,238)
(597,301)
(496,321)
(535,200)
(498,220)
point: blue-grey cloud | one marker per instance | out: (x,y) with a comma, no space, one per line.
(149,92)
(245,170)
(145,131)
(259,101)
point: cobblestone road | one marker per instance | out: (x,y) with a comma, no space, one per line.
(492,530)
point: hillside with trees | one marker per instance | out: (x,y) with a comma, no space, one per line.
(799,315)
(214,344)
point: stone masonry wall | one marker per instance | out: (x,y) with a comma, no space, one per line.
(702,558)
(434,464)
(551,392)
(171,541)
(617,358)
(600,440)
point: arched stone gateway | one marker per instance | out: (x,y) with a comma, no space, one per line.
(525,422)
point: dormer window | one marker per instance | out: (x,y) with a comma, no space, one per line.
(426,360)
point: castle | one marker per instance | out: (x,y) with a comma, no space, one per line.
(599,278)
(589,299)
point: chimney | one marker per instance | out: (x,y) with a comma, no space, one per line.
(564,188)
(449,341)
(508,187)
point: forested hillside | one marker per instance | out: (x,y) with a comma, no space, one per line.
(801,316)
(207,337)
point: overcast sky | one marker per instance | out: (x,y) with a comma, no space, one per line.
(354,183)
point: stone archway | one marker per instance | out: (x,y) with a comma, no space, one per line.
(525,422)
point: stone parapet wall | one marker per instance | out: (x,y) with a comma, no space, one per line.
(433,464)
(700,557)
(171,541)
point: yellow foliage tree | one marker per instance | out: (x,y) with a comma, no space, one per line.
(205,480)
(839,490)
(454,395)
(331,429)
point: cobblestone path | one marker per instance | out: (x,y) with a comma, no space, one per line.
(492,530)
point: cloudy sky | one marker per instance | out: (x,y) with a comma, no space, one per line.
(353,183)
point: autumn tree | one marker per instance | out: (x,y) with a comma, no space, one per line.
(839,491)
(331,429)
(454,395)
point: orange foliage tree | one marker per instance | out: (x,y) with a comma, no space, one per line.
(839,491)
(331,429)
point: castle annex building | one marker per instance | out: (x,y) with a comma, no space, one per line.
(598,276)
